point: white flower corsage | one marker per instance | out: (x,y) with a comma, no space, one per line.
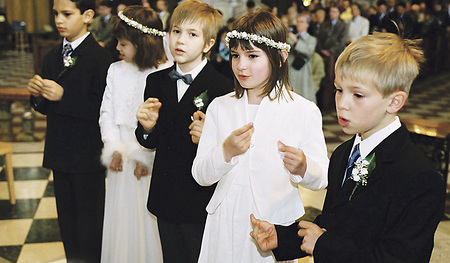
(201,100)
(69,61)
(361,172)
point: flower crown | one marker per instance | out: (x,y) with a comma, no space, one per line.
(258,39)
(140,27)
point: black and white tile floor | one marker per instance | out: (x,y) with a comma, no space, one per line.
(29,229)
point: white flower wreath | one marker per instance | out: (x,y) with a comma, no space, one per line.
(139,26)
(257,39)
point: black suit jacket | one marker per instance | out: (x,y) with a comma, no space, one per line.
(392,219)
(174,194)
(332,38)
(73,142)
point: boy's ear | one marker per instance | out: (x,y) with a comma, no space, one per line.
(398,99)
(88,15)
(209,45)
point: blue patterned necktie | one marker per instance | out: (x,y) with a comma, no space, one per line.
(175,75)
(351,161)
(67,50)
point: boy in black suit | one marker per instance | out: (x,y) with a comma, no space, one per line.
(171,120)
(383,204)
(70,92)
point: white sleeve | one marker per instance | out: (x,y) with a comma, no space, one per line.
(209,164)
(315,151)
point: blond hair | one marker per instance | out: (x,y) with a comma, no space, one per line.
(390,62)
(194,11)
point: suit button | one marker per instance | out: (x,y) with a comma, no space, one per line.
(169,148)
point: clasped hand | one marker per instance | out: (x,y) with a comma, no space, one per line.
(265,235)
(46,88)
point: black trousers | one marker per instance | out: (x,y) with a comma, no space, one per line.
(180,242)
(80,202)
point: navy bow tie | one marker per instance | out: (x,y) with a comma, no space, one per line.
(175,75)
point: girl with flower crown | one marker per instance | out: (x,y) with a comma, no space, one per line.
(258,144)
(130,232)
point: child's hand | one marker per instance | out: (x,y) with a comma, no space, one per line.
(294,159)
(238,142)
(35,85)
(310,232)
(116,162)
(148,113)
(52,90)
(264,234)
(196,126)
(140,170)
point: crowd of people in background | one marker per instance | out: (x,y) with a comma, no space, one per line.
(320,35)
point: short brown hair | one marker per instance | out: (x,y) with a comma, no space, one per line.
(265,24)
(390,62)
(149,49)
(197,11)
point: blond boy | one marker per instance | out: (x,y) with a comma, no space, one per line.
(389,212)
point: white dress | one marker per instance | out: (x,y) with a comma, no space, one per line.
(257,181)
(130,232)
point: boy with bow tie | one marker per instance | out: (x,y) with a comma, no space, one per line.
(171,121)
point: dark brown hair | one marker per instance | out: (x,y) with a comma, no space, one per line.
(149,49)
(263,23)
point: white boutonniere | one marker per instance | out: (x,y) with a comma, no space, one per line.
(201,100)
(361,172)
(69,61)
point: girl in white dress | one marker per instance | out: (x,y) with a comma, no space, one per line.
(130,232)
(258,143)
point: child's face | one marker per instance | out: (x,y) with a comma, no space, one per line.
(126,49)
(187,45)
(250,67)
(69,21)
(361,108)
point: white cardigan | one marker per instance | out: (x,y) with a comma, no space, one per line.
(124,93)
(296,123)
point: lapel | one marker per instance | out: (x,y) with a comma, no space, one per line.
(336,175)
(385,154)
(202,83)
(84,48)
(169,88)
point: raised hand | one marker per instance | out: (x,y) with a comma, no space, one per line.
(264,234)
(294,159)
(116,162)
(196,126)
(238,142)
(148,113)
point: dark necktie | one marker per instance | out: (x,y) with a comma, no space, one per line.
(175,75)
(67,50)
(351,161)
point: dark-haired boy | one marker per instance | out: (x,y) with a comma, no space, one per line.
(70,92)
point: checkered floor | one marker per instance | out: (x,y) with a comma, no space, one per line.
(29,229)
